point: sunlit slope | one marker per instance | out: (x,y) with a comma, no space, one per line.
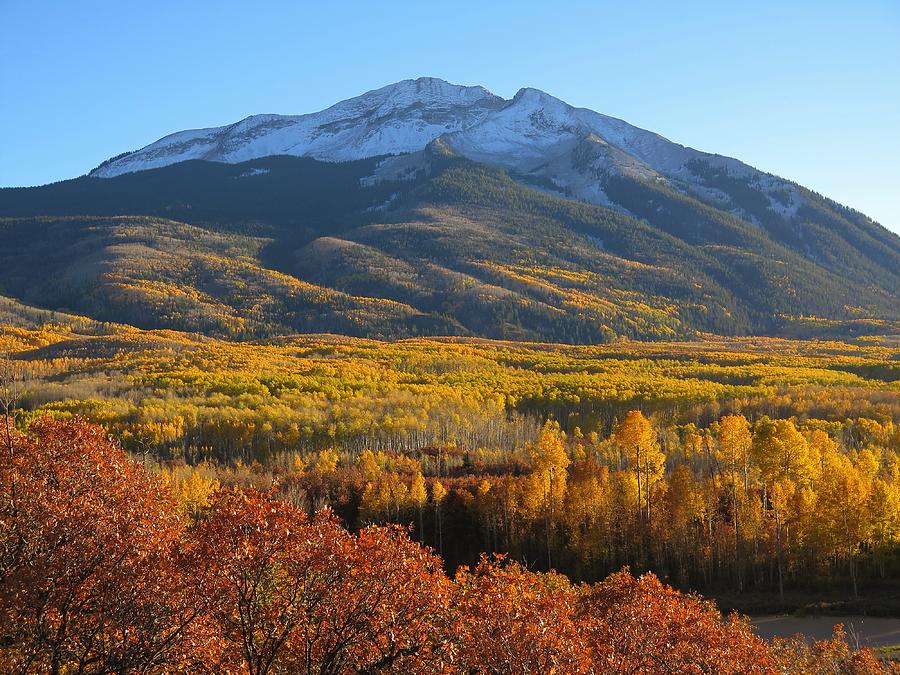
(188,390)
(509,261)
(284,245)
(155,273)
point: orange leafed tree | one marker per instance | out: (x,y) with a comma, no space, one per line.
(796,655)
(511,620)
(90,577)
(639,625)
(303,595)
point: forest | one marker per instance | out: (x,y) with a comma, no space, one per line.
(729,466)
(101,572)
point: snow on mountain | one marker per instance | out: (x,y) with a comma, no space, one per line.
(534,134)
(402,117)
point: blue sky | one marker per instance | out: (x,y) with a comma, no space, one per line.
(807,90)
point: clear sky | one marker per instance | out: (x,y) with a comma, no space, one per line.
(807,90)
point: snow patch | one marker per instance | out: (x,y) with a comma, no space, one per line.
(255,172)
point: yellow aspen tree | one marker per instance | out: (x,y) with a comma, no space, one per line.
(867,463)
(625,509)
(418,497)
(685,506)
(326,461)
(368,465)
(884,519)
(781,452)
(298,464)
(637,439)
(843,495)
(586,505)
(376,501)
(733,442)
(399,494)
(820,446)
(193,488)
(781,492)
(547,481)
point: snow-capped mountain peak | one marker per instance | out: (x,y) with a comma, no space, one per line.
(533,133)
(430,90)
(398,118)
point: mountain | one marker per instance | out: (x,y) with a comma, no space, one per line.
(538,136)
(426,208)
(402,117)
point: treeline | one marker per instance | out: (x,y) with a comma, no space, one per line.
(733,506)
(100,574)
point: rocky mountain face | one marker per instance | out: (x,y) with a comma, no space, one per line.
(548,143)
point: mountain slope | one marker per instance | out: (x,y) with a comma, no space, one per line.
(428,208)
(156,273)
(283,244)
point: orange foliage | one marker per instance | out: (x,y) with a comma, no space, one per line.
(303,595)
(510,620)
(98,574)
(633,625)
(89,569)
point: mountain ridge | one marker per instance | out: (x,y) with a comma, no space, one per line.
(218,143)
(428,92)
(559,147)
(517,219)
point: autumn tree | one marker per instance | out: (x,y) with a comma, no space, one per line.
(683,519)
(639,625)
(438,494)
(636,438)
(884,519)
(510,620)
(418,497)
(547,481)
(304,595)
(796,655)
(587,512)
(843,495)
(733,440)
(782,452)
(91,576)
(192,488)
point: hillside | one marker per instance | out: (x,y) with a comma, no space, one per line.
(284,244)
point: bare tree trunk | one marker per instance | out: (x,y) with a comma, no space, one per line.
(10,393)
(853,573)
(548,517)
(779,558)
(437,511)
(737,536)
